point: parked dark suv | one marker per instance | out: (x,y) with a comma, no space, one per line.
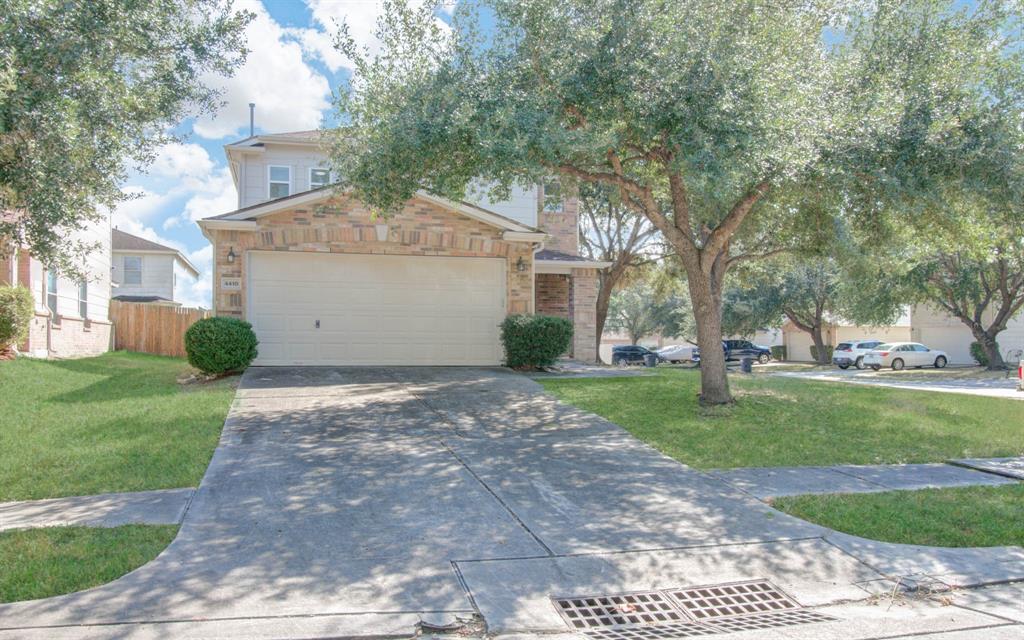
(630,354)
(739,349)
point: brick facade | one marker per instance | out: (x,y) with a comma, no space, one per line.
(70,338)
(344,225)
(584,314)
(553,291)
(562,226)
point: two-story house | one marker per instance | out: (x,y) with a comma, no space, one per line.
(325,282)
(145,271)
(71,315)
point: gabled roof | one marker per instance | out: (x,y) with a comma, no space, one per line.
(290,137)
(126,242)
(552,258)
(321,194)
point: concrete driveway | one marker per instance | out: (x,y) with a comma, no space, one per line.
(347,502)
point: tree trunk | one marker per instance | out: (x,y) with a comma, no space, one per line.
(604,296)
(991,348)
(819,344)
(707,311)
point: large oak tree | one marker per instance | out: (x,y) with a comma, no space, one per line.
(88,90)
(718,121)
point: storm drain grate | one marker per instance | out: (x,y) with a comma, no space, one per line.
(772,620)
(733,599)
(589,612)
(673,631)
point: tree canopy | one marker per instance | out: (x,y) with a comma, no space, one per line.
(90,89)
(737,128)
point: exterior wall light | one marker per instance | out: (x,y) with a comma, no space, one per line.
(520,264)
(231,255)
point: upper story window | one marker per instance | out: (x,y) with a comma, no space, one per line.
(51,292)
(279,180)
(553,196)
(319,177)
(83,300)
(132,270)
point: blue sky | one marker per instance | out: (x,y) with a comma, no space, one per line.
(291,74)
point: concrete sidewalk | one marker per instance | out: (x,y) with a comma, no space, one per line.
(166,506)
(990,387)
(776,482)
(356,502)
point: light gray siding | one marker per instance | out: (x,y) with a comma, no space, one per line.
(157,275)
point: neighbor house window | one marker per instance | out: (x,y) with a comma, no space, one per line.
(552,196)
(280,179)
(51,292)
(132,270)
(83,300)
(319,178)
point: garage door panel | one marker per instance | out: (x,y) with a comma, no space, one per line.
(376,309)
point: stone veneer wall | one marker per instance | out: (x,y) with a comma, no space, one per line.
(346,226)
(552,295)
(584,314)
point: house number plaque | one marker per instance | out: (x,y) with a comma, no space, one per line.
(231,284)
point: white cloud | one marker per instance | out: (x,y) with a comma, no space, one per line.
(361,19)
(143,204)
(213,195)
(196,292)
(289,94)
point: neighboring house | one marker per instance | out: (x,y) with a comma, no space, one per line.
(939,330)
(71,316)
(145,271)
(931,327)
(798,343)
(325,282)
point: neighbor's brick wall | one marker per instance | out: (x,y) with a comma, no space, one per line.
(562,226)
(552,295)
(345,226)
(584,314)
(75,338)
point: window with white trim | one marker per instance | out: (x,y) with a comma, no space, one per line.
(132,270)
(51,292)
(83,300)
(319,177)
(553,196)
(279,180)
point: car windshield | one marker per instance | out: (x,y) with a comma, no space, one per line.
(843,346)
(883,347)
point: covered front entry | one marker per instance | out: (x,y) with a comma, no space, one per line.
(361,309)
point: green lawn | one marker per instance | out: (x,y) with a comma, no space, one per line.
(792,422)
(962,517)
(117,422)
(38,563)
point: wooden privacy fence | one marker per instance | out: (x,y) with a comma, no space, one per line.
(152,328)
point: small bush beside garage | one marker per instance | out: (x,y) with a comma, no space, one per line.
(534,342)
(217,346)
(15,315)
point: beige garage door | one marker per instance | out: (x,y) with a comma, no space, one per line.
(337,309)
(955,341)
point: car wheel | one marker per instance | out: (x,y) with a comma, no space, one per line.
(763,358)
(876,367)
(617,362)
(860,362)
(843,366)
(940,362)
(897,364)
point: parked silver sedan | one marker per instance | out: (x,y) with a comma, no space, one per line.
(899,355)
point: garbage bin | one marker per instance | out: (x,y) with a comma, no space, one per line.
(747,365)
(650,360)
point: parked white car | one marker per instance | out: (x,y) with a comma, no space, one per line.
(852,353)
(678,353)
(904,354)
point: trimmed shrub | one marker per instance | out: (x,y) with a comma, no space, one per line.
(828,352)
(16,309)
(978,353)
(778,352)
(220,345)
(534,341)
